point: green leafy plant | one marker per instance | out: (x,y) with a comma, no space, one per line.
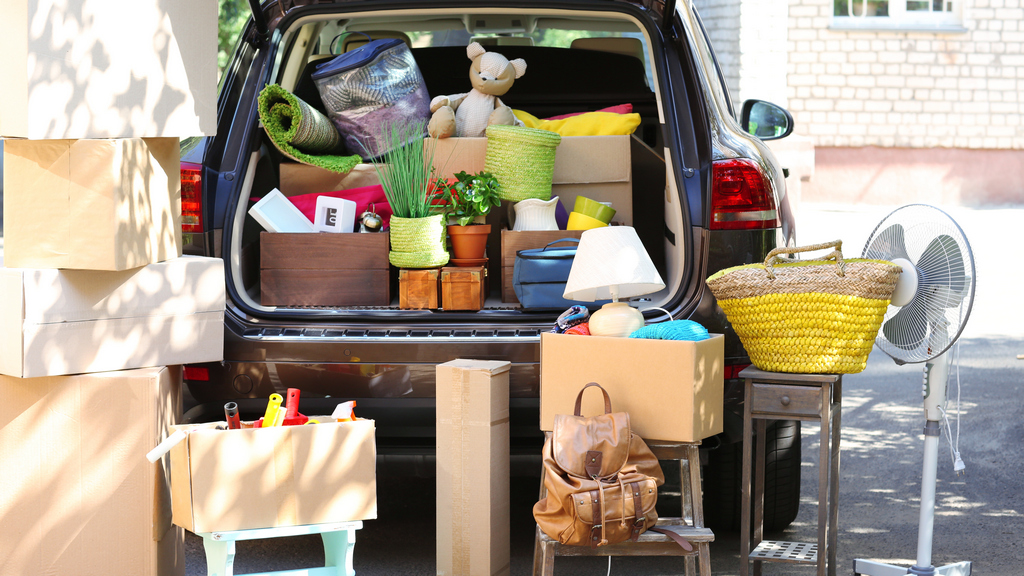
(471,195)
(406,169)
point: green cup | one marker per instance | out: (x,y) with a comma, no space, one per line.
(594,209)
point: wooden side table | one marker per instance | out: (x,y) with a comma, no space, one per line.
(779,396)
(339,540)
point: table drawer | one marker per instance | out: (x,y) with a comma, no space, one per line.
(778,399)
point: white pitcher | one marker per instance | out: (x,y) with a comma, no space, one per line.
(535,214)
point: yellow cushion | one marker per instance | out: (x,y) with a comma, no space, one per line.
(587,124)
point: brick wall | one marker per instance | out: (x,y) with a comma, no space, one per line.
(908,89)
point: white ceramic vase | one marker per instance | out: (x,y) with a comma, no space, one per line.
(535,214)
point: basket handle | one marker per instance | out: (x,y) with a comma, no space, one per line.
(836,254)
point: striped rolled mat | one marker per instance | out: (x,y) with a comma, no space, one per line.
(302,133)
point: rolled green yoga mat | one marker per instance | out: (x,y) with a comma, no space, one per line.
(302,133)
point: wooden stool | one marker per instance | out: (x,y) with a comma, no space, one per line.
(650,543)
(775,396)
(339,540)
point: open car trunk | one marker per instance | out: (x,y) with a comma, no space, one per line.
(629,170)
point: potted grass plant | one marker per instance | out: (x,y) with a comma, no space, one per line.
(468,199)
(405,172)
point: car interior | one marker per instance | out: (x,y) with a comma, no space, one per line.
(577,62)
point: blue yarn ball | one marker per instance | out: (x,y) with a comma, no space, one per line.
(674,330)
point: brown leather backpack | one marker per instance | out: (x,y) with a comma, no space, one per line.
(601,479)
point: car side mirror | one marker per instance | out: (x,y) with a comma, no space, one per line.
(765,120)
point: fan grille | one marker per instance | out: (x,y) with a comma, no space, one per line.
(938,248)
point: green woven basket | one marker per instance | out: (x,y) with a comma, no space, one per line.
(418,242)
(523,161)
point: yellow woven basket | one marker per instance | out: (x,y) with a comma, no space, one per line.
(812,316)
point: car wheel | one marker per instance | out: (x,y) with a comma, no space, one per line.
(724,472)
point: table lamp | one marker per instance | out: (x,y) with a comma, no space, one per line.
(612,263)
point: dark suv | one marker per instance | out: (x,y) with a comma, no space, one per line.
(706,195)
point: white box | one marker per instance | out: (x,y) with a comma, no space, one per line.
(276,213)
(334,215)
(108,68)
(56,322)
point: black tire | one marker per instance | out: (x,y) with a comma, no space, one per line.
(724,472)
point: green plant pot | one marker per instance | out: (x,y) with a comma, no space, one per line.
(418,242)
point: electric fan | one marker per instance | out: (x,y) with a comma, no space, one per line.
(927,313)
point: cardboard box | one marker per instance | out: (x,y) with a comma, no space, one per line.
(102,69)
(473,526)
(297,179)
(91,204)
(463,288)
(418,289)
(225,480)
(513,241)
(324,269)
(598,167)
(55,322)
(79,497)
(672,389)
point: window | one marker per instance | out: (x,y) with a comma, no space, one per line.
(898,14)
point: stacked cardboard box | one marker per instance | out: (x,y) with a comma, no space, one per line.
(96,300)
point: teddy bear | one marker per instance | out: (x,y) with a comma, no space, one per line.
(469,114)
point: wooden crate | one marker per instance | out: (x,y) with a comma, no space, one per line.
(463,288)
(512,242)
(417,289)
(324,269)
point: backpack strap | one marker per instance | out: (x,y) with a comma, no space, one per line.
(683,542)
(579,399)
(638,522)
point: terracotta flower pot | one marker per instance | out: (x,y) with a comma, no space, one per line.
(469,241)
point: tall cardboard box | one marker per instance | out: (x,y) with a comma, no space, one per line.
(56,322)
(91,204)
(673,390)
(79,496)
(473,531)
(224,480)
(108,68)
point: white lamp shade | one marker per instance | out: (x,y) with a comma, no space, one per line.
(608,259)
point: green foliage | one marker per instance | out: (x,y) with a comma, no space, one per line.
(471,196)
(233,14)
(407,169)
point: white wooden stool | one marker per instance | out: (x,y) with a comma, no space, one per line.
(650,543)
(339,541)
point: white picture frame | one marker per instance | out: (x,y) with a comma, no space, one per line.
(334,215)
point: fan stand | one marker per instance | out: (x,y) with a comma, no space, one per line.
(936,373)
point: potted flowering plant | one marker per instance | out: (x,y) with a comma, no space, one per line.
(468,199)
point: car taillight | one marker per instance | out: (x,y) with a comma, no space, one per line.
(741,198)
(191,198)
(733,370)
(199,373)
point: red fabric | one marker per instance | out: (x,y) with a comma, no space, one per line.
(620,109)
(580,329)
(363,197)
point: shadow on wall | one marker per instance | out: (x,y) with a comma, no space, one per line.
(93,76)
(889,176)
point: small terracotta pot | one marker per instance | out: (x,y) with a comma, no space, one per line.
(469,241)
